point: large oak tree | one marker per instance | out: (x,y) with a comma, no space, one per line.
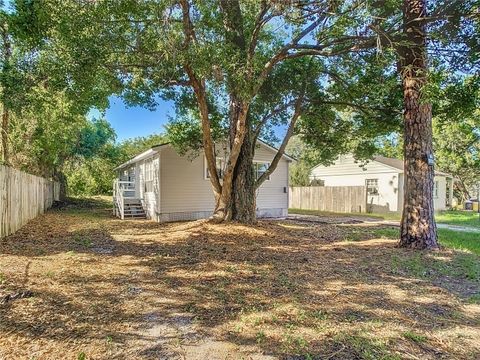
(225,54)
(228,56)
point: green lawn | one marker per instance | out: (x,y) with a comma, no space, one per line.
(460,240)
(459,218)
(386,216)
(449,238)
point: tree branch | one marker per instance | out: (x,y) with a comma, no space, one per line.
(281,149)
(282,53)
(260,21)
(201,96)
(266,118)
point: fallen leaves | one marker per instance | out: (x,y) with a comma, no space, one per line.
(107,288)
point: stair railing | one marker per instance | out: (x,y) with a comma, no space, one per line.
(118,198)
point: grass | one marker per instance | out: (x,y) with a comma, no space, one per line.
(450,217)
(386,216)
(460,218)
(458,240)
(415,337)
(469,241)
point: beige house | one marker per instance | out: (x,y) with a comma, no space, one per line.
(384,180)
(160,184)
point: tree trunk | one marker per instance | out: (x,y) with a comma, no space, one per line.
(244,198)
(62,179)
(418,228)
(239,129)
(7,54)
(4,130)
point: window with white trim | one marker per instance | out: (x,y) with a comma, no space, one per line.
(149,176)
(220,168)
(260,168)
(372,186)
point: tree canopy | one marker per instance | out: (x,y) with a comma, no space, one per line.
(235,70)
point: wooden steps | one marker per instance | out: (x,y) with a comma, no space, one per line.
(133,209)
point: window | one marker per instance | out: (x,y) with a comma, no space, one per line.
(435,189)
(149,176)
(260,168)
(220,168)
(372,186)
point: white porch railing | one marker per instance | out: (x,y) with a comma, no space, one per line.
(122,190)
(128,188)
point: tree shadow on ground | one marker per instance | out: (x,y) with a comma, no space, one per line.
(112,288)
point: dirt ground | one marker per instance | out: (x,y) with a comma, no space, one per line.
(77,283)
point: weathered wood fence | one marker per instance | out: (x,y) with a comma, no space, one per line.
(344,199)
(23,197)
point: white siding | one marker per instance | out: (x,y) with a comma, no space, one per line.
(388,189)
(345,172)
(440,201)
(150,199)
(273,193)
(346,165)
(183,185)
(184,188)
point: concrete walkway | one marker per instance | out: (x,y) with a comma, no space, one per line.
(458,228)
(365,220)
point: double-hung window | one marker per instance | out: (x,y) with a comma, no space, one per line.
(260,168)
(149,170)
(372,186)
(220,164)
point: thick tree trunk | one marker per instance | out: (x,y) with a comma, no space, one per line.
(418,228)
(239,129)
(244,197)
(62,179)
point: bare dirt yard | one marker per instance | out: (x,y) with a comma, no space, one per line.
(77,283)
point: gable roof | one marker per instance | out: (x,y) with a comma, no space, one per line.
(394,163)
(274,149)
(398,164)
(154,149)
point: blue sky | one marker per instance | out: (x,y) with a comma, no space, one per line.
(136,121)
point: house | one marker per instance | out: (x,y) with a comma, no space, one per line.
(162,185)
(383,178)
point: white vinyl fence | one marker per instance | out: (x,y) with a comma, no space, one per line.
(343,199)
(23,197)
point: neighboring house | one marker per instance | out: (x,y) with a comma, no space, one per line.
(384,180)
(162,185)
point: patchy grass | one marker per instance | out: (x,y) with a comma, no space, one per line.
(474,299)
(106,288)
(382,216)
(415,337)
(450,217)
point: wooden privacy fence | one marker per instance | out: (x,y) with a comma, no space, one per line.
(344,199)
(23,197)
